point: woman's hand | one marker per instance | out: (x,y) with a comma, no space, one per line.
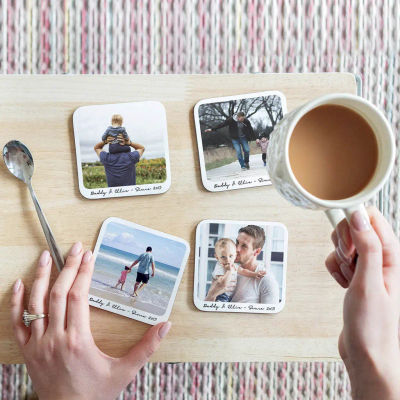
(369,342)
(61,357)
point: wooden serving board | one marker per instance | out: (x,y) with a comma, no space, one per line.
(38,111)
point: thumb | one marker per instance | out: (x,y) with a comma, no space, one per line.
(368,270)
(139,354)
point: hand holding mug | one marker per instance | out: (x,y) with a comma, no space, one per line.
(290,149)
(369,342)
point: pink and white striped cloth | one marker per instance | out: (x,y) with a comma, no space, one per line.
(210,381)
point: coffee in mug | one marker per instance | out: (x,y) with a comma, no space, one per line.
(333,152)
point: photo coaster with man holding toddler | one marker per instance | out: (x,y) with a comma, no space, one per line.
(240,266)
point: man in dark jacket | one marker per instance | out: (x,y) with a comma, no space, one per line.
(120,168)
(240,133)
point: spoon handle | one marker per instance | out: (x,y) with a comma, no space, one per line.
(51,241)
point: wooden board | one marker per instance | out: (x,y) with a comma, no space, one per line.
(38,111)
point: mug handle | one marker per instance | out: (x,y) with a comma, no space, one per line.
(335,215)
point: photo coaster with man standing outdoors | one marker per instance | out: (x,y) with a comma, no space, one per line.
(137,271)
(232,136)
(122,149)
(240,266)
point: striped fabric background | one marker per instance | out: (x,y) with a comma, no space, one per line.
(222,381)
(206,36)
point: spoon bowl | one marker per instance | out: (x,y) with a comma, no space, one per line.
(19,162)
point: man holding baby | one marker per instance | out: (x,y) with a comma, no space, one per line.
(249,243)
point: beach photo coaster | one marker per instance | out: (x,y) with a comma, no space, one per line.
(232,137)
(137,271)
(240,266)
(122,149)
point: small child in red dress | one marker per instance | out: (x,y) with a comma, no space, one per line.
(122,278)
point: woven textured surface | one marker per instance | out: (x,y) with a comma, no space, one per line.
(199,381)
(153,36)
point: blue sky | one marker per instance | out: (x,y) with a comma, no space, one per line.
(145,123)
(135,241)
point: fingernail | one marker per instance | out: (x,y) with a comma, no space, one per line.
(164,329)
(76,249)
(17,285)
(360,222)
(87,256)
(44,258)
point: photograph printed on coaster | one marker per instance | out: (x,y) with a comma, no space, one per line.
(122,149)
(137,271)
(240,266)
(232,137)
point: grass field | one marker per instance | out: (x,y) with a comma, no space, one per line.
(220,163)
(147,171)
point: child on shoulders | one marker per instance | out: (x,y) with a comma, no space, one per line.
(114,130)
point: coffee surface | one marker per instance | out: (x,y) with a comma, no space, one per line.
(333,152)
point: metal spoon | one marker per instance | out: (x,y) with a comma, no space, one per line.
(19,162)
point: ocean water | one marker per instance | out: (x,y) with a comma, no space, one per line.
(109,264)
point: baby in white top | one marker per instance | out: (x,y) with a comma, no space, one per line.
(225,269)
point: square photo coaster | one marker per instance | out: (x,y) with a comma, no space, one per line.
(137,271)
(232,137)
(240,266)
(122,149)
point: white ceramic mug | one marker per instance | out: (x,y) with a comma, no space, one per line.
(281,173)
